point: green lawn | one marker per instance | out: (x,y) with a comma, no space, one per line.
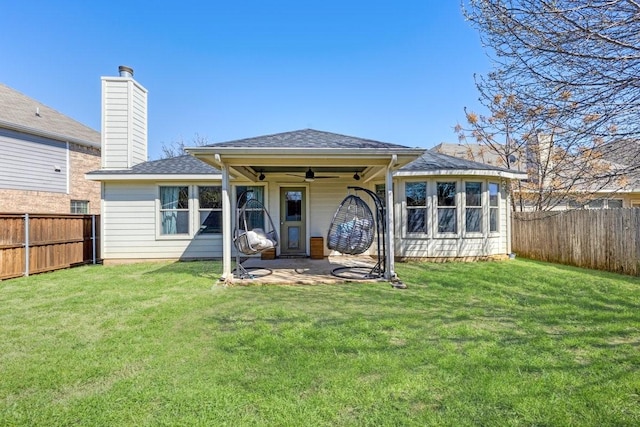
(468,344)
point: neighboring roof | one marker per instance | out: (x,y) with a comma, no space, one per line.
(623,152)
(24,114)
(479,153)
(306,138)
(181,165)
(439,163)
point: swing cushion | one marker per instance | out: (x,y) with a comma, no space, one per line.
(255,241)
(259,240)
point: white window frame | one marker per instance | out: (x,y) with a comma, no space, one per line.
(74,204)
(179,236)
(436,208)
(198,210)
(480,207)
(496,208)
(428,218)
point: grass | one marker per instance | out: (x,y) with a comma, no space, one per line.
(500,343)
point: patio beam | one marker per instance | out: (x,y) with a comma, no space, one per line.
(226,220)
(390,265)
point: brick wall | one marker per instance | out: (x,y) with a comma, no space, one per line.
(82,159)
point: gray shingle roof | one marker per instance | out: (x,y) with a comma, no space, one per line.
(181,165)
(432,160)
(306,138)
(24,112)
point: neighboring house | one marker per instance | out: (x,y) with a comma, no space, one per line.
(180,208)
(603,194)
(44,156)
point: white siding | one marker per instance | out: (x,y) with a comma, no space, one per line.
(433,245)
(124,123)
(131,229)
(29,162)
(324,201)
(130,225)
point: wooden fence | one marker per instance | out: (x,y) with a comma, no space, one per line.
(35,243)
(603,239)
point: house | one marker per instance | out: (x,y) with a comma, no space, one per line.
(584,191)
(440,207)
(44,156)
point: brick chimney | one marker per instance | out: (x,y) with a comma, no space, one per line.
(124,121)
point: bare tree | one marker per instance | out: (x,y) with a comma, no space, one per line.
(176,148)
(566,79)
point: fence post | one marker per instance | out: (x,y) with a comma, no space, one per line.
(26,244)
(93,237)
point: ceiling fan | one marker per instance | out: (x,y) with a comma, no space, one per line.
(311,176)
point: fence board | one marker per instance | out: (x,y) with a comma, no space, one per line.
(602,239)
(55,242)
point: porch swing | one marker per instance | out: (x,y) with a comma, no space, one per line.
(353,230)
(250,237)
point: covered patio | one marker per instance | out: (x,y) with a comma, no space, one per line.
(304,271)
(299,159)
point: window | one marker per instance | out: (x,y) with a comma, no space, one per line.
(447,211)
(614,203)
(416,198)
(494,206)
(596,204)
(255,219)
(473,207)
(79,206)
(174,210)
(210,209)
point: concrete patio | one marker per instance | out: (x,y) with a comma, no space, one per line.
(306,271)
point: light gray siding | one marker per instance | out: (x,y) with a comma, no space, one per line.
(29,162)
(461,244)
(124,123)
(130,227)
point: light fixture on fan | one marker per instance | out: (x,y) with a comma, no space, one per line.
(309,175)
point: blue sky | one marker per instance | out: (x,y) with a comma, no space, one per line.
(395,71)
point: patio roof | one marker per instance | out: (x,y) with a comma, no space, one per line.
(300,150)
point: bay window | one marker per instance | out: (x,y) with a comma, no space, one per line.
(417,212)
(473,207)
(447,209)
(494,196)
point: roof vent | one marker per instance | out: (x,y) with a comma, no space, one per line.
(125,71)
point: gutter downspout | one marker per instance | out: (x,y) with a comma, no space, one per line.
(226,221)
(390,272)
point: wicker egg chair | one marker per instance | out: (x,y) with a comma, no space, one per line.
(249,237)
(353,227)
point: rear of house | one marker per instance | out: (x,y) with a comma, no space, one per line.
(185,207)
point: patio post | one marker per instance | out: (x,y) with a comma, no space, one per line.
(226,222)
(390,265)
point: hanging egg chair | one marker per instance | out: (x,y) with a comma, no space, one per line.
(352,229)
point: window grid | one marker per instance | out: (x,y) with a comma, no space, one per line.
(79,207)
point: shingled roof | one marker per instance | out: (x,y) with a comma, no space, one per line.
(433,161)
(22,113)
(306,138)
(181,165)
